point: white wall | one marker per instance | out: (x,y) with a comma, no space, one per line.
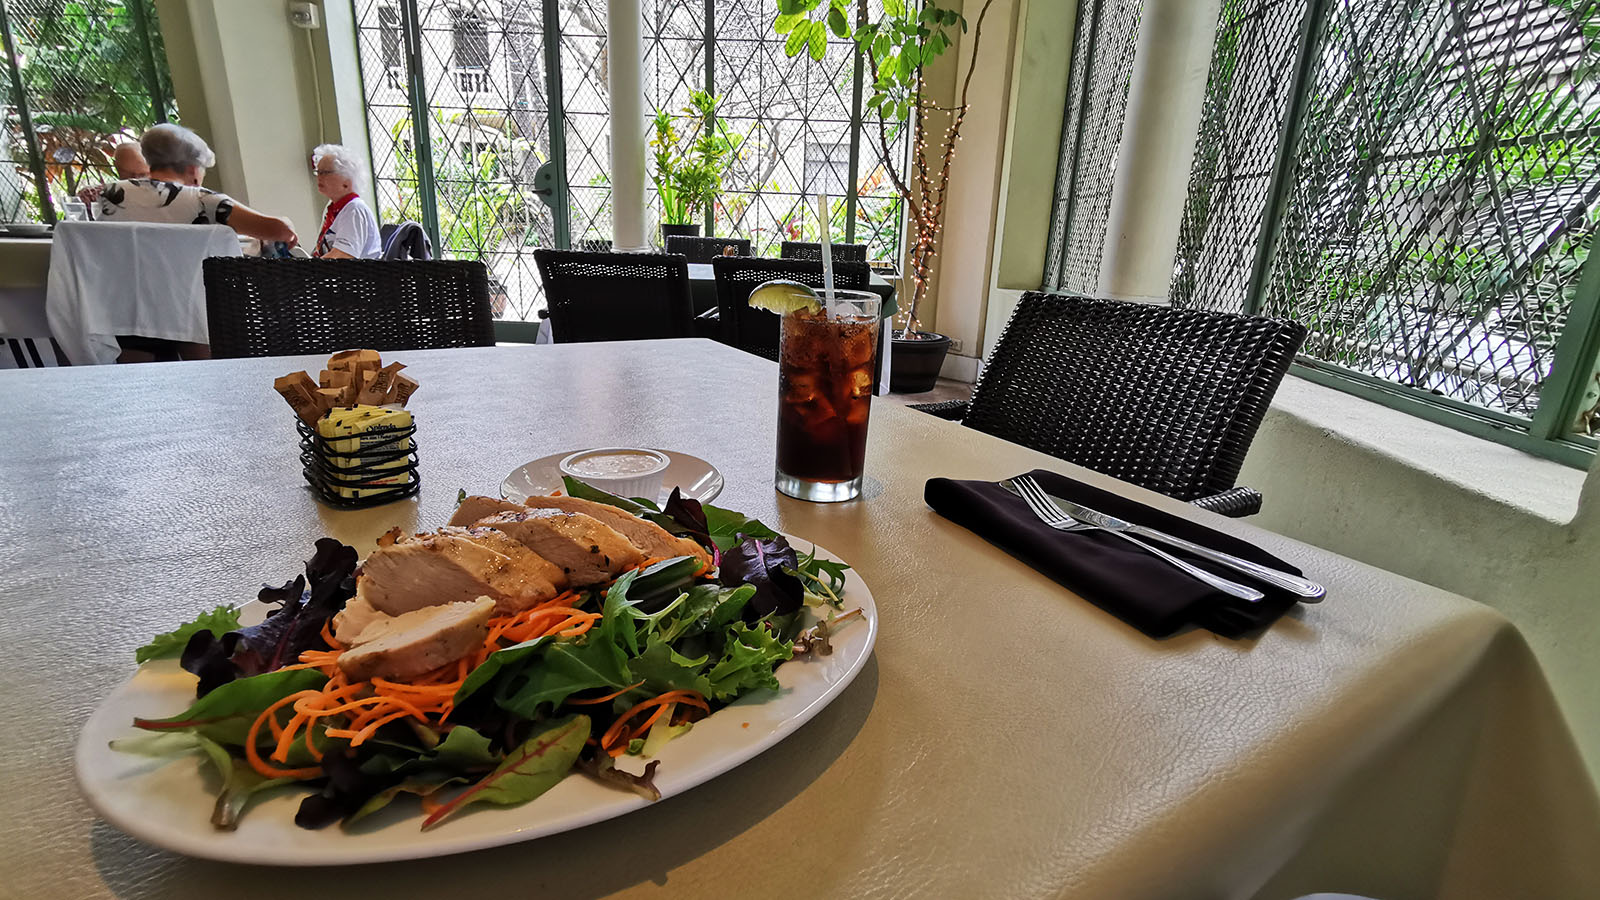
(244,80)
(1449,509)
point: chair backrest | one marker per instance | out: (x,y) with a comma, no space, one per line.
(31,353)
(698,249)
(1168,399)
(279,307)
(756,330)
(407,240)
(805,250)
(615,296)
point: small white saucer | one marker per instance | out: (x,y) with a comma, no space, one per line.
(696,478)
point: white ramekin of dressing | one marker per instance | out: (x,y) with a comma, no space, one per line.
(624,471)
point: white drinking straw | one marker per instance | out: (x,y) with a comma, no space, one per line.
(827,247)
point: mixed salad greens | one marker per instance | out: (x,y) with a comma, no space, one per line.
(619,668)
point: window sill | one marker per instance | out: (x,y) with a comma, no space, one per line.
(1538,487)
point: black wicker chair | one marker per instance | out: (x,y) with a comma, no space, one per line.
(281,307)
(615,296)
(704,249)
(1168,399)
(841,252)
(756,330)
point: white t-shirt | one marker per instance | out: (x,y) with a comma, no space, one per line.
(148,200)
(355,231)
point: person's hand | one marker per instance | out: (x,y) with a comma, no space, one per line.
(285,232)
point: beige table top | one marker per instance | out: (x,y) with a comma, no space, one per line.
(24,262)
(1007,739)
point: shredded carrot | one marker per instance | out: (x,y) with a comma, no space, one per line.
(327,635)
(254,758)
(616,738)
(355,711)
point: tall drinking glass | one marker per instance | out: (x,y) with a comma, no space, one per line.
(824,395)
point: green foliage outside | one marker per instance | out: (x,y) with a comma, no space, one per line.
(688,170)
(91,76)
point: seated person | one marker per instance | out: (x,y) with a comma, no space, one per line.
(349,229)
(129,163)
(172,193)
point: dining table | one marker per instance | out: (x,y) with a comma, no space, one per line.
(1006,738)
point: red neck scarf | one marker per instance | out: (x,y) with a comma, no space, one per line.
(327,220)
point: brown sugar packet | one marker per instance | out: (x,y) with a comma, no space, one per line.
(353,360)
(376,391)
(403,389)
(301,392)
(331,397)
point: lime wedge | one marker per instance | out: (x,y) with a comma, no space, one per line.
(785,297)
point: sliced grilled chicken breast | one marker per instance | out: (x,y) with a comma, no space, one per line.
(349,622)
(477,506)
(587,550)
(419,641)
(650,538)
(446,568)
(524,559)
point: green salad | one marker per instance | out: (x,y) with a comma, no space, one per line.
(569,684)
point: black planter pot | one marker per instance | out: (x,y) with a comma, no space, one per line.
(681,230)
(916,363)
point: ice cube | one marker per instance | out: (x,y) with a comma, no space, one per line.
(860,383)
(858,345)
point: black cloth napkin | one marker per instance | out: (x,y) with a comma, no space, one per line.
(1109,572)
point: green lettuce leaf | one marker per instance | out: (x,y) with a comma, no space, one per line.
(506,660)
(564,670)
(238,782)
(536,766)
(225,714)
(219,622)
(749,656)
(424,785)
(662,669)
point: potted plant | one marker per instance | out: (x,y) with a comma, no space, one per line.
(688,175)
(897,45)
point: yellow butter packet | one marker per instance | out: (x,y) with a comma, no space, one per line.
(357,432)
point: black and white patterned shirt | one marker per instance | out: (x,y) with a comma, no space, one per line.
(148,200)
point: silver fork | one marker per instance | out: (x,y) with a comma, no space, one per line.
(1051,515)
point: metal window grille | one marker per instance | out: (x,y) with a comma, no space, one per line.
(533,96)
(1417,181)
(78,78)
(1443,194)
(1097,101)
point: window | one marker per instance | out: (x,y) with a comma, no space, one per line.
(389,48)
(470,39)
(1422,192)
(827,168)
(87,74)
(504,146)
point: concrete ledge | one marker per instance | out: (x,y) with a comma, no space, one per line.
(1510,530)
(1460,461)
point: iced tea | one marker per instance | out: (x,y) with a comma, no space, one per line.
(824,396)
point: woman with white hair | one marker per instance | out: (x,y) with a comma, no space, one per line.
(172,194)
(349,229)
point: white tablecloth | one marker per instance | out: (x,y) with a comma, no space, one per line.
(142,279)
(1007,740)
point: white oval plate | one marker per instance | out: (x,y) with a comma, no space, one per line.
(698,479)
(168,802)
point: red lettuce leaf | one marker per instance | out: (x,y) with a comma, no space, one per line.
(295,626)
(762,563)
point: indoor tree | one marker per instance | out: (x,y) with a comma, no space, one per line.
(898,45)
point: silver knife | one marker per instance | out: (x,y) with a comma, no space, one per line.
(1307,591)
